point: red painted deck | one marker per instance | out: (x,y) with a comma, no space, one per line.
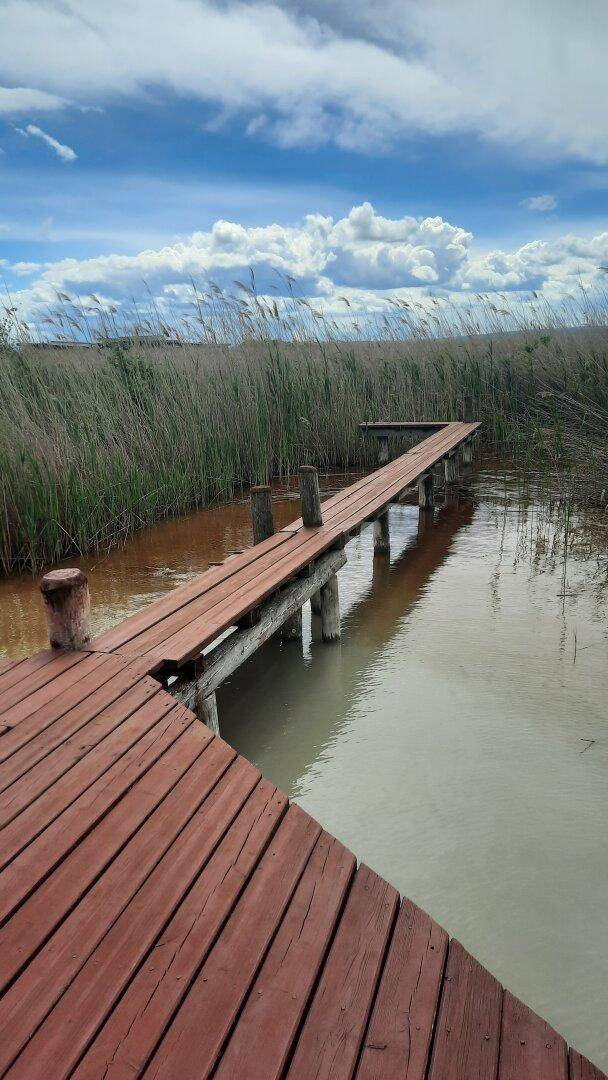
(164,911)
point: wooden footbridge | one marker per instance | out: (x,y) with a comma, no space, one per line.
(163,910)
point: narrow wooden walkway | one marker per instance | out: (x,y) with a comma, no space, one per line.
(164,910)
(174,630)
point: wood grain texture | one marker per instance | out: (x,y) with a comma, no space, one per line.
(528,1045)
(582,1069)
(399,1035)
(265,1031)
(208,1012)
(333,1030)
(468,1025)
(135,1027)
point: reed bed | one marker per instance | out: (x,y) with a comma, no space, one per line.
(129,422)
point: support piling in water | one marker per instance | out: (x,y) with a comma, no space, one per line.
(451,469)
(382,537)
(426,491)
(330,610)
(206,710)
(67,608)
(467,453)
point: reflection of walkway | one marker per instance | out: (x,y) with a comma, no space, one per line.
(331,682)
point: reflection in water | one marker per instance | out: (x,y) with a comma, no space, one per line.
(456,738)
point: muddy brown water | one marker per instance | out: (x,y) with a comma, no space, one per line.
(456,738)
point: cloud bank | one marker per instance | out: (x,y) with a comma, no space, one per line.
(306,72)
(363,256)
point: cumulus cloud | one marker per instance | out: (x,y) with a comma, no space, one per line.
(360,74)
(541,203)
(64,152)
(363,256)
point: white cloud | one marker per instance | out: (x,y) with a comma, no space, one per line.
(363,256)
(64,152)
(541,203)
(15,101)
(361,75)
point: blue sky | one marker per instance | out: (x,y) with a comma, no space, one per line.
(128,131)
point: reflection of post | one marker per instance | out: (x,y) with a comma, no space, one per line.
(382,538)
(383,450)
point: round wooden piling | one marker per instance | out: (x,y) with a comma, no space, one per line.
(382,538)
(330,609)
(426,491)
(67,608)
(383,450)
(262,521)
(467,453)
(315,603)
(206,710)
(310,496)
(451,469)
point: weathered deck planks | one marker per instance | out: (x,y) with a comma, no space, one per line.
(165,912)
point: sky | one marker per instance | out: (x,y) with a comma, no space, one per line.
(367,150)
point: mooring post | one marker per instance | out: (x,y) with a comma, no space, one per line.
(67,608)
(310,496)
(382,537)
(467,453)
(330,609)
(383,449)
(426,491)
(262,521)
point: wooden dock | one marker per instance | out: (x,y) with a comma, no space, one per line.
(164,910)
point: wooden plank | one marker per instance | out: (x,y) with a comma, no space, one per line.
(333,1031)
(30,999)
(135,1026)
(529,1047)
(45,678)
(582,1069)
(468,1026)
(129,722)
(266,1029)
(60,746)
(233,651)
(25,670)
(31,715)
(168,605)
(84,853)
(404,425)
(398,1039)
(206,1016)
(189,641)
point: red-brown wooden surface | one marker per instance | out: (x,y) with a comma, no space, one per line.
(163,911)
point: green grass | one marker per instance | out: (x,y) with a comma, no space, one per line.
(96,443)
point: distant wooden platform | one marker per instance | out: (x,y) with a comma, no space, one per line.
(164,910)
(174,630)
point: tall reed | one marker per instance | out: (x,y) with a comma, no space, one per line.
(98,441)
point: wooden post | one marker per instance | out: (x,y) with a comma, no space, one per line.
(382,449)
(67,608)
(262,523)
(451,469)
(206,710)
(315,603)
(467,408)
(426,491)
(330,609)
(382,538)
(467,453)
(262,520)
(310,496)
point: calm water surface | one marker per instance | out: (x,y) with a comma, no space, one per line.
(456,738)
